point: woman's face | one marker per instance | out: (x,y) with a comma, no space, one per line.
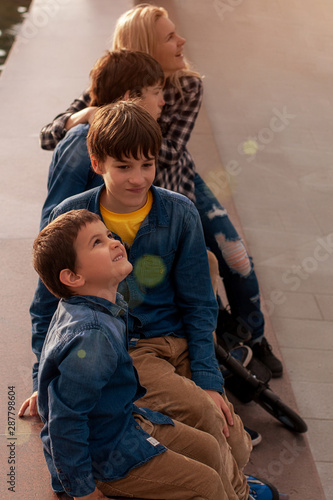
(169,47)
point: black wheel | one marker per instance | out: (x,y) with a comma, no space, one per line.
(243,382)
(279,410)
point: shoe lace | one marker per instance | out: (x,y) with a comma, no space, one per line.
(266,346)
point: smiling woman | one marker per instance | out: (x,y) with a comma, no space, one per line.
(12,13)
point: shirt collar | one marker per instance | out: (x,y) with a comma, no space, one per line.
(119,308)
(158,211)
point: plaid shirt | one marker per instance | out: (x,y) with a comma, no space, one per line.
(175,164)
(176,168)
(52,133)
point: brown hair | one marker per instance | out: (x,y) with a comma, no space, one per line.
(123,129)
(122,70)
(135,30)
(53,249)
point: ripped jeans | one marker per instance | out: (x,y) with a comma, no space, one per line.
(235,265)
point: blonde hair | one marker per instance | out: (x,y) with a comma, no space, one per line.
(135,30)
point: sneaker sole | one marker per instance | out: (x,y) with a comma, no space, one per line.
(256,441)
(248,355)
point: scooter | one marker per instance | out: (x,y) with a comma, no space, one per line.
(247,386)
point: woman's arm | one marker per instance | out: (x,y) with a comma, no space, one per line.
(86,115)
(52,133)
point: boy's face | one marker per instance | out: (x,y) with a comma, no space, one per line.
(152,100)
(127,182)
(100,259)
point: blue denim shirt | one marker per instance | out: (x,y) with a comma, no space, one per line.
(70,171)
(87,386)
(169,291)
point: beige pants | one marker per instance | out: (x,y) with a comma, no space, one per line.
(164,369)
(189,470)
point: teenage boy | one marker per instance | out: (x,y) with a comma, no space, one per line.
(172,307)
(120,74)
(93,432)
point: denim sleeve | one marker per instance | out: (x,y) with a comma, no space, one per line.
(42,308)
(195,297)
(72,397)
(69,172)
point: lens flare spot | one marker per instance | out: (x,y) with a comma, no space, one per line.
(250,147)
(81,353)
(149,270)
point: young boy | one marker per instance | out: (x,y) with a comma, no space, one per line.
(93,432)
(172,307)
(117,75)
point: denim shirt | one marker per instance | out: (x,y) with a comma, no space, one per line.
(70,171)
(87,386)
(169,291)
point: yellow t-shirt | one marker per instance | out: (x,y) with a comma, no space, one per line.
(127,225)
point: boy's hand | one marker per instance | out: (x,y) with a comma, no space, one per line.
(95,495)
(222,405)
(31,403)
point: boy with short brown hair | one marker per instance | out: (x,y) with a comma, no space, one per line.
(120,74)
(93,432)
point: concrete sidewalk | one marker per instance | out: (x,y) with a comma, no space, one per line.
(266,121)
(268,68)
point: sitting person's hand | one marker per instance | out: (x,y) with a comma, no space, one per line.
(222,405)
(95,495)
(30,403)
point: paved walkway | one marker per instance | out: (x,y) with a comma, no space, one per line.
(267,121)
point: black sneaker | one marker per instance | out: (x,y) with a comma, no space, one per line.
(229,330)
(263,351)
(256,438)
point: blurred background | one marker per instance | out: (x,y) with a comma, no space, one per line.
(12,13)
